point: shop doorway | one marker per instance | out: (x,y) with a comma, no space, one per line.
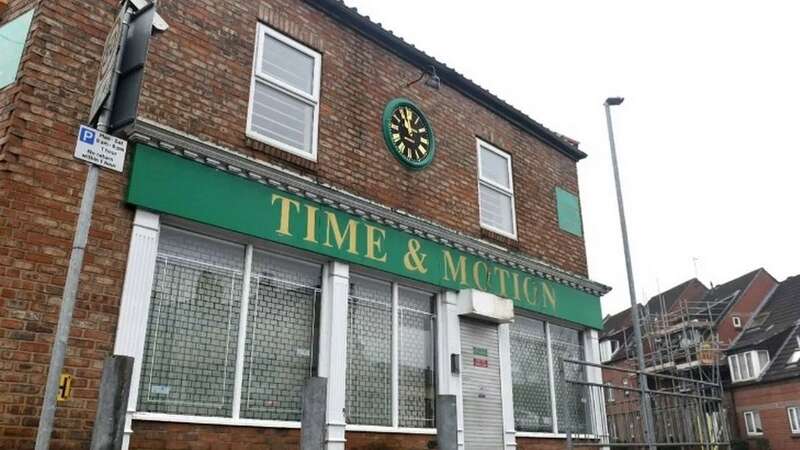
(480,381)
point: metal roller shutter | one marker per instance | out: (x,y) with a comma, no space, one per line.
(480,375)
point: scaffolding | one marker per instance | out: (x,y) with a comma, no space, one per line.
(682,340)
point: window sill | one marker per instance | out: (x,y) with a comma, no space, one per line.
(257,137)
(203,420)
(538,434)
(498,232)
(380,429)
(754,434)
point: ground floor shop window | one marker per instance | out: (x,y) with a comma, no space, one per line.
(279,353)
(390,355)
(530,375)
(539,376)
(195,346)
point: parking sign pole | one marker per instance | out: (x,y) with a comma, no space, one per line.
(59,351)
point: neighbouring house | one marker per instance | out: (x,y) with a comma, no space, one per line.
(684,330)
(764,365)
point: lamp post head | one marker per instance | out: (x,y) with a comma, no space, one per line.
(614,101)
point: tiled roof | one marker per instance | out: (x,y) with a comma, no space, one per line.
(449,76)
(780,312)
(780,368)
(721,298)
(616,323)
(668,298)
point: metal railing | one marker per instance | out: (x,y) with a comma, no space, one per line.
(687,413)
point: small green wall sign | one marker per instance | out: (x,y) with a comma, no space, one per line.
(569,212)
(167,183)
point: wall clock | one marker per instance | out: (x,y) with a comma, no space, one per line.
(408,134)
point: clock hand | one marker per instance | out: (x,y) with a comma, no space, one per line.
(409,129)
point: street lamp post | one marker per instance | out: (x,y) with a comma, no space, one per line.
(637,332)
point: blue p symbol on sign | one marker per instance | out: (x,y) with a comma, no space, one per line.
(87,136)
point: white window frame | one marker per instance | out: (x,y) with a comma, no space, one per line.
(480,145)
(257,75)
(754,417)
(249,249)
(737,322)
(794,419)
(395,388)
(739,367)
(586,342)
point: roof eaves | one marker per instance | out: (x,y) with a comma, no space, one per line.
(374,31)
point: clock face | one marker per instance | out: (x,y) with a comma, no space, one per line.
(408,134)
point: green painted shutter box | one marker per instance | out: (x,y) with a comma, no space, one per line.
(569,212)
(170,184)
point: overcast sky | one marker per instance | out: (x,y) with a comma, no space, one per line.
(707,136)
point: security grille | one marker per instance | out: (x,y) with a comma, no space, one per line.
(193,335)
(530,374)
(572,400)
(417,387)
(369,353)
(190,349)
(280,346)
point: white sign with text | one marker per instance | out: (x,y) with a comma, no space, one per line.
(101,149)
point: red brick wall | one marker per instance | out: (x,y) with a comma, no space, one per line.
(177,436)
(540,444)
(748,303)
(771,401)
(181,436)
(198,81)
(386,441)
(40,187)
(10,93)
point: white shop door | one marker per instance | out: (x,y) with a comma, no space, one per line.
(480,381)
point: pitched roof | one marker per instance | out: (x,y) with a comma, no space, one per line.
(616,323)
(449,76)
(780,312)
(779,367)
(720,298)
(663,302)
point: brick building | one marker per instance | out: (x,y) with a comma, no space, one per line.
(765,371)
(685,331)
(294,205)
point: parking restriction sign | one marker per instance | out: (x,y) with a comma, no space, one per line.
(100,148)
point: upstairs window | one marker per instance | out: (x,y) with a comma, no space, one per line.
(794,358)
(284,97)
(752,420)
(496,190)
(13,35)
(794,419)
(748,365)
(607,349)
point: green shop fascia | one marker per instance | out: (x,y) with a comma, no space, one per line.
(170,184)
